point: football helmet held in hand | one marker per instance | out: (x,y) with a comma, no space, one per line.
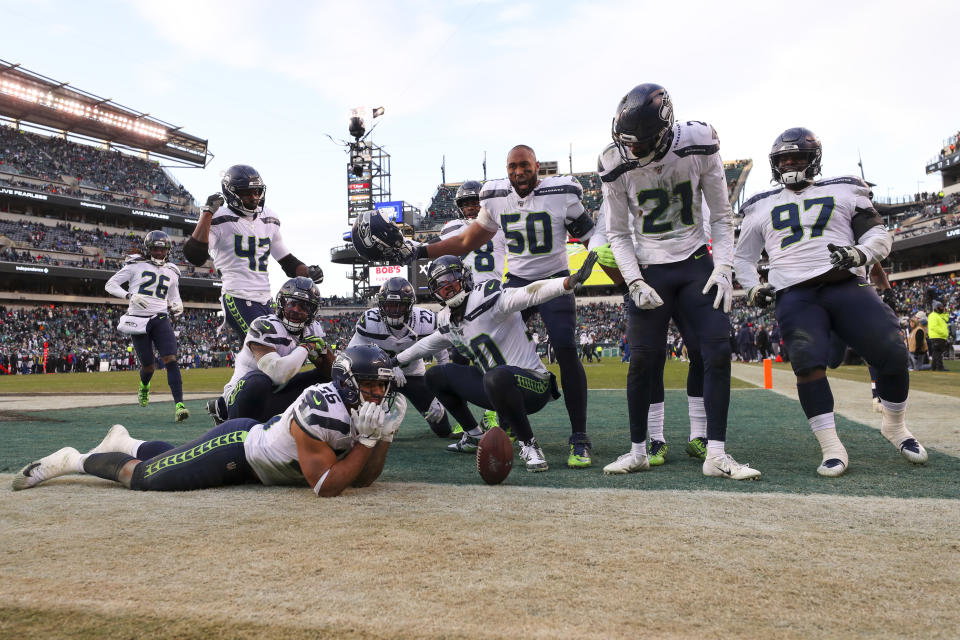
(379,240)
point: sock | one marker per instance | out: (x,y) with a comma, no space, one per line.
(893,425)
(174,380)
(815,397)
(655,422)
(698,417)
(83,458)
(638,449)
(145,377)
(825,429)
(715,448)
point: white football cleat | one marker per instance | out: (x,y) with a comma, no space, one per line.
(117,440)
(532,455)
(724,466)
(877,407)
(629,462)
(59,463)
(913,451)
(832,468)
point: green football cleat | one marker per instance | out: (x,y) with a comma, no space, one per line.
(697,448)
(182,412)
(656,452)
(143,395)
(456,433)
(579,451)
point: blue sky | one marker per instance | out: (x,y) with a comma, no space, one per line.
(264,81)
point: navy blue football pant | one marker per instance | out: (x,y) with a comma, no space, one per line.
(420,396)
(239,313)
(560,317)
(160,335)
(512,392)
(856,314)
(256,397)
(680,285)
(694,371)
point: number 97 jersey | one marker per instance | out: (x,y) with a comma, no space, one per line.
(487,262)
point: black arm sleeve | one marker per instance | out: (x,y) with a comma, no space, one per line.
(195,252)
(863,220)
(289,264)
(580,226)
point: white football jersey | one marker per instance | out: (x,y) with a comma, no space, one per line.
(269,332)
(491,331)
(535,226)
(240,248)
(271,450)
(599,237)
(795,227)
(371,329)
(487,262)
(666,200)
(161,285)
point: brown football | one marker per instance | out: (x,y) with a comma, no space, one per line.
(494,456)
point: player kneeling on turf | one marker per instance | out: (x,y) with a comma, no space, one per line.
(335,435)
(483,323)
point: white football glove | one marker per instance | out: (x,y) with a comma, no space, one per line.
(435,413)
(720,278)
(214,203)
(644,296)
(761,295)
(399,379)
(390,428)
(367,423)
(176,309)
(139,301)
(846,257)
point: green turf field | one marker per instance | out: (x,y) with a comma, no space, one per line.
(766,430)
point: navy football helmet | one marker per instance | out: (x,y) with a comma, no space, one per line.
(796,141)
(395,302)
(444,271)
(157,247)
(642,127)
(468,193)
(297,304)
(244,190)
(376,238)
(359,363)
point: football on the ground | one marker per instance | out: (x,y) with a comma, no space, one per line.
(494,456)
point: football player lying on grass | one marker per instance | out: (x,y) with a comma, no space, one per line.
(335,435)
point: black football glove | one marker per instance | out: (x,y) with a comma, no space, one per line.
(846,257)
(761,295)
(315,273)
(214,203)
(578,278)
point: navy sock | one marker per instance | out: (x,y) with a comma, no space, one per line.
(893,387)
(145,376)
(815,397)
(175,381)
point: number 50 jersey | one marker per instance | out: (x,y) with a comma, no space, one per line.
(240,248)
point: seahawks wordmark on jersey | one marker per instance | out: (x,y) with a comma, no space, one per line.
(795,227)
(535,226)
(666,197)
(487,262)
(491,331)
(321,414)
(267,331)
(240,248)
(159,284)
(371,329)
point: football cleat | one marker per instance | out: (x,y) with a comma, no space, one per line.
(656,452)
(724,466)
(697,448)
(629,462)
(217,409)
(143,395)
(532,455)
(913,451)
(579,457)
(182,413)
(832,468)
(117,440)
(466,444)
(59,463)
(877,407)
(457,432)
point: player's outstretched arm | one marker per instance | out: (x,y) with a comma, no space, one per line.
(473,237)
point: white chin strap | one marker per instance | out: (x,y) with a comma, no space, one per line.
(457,299)
(794,177)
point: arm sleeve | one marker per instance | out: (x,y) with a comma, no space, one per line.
(620,231)
(512,300)
(282,368)
(113,285)
(431,344)
(713,182)
(289,264)
(749,248)
(195,252)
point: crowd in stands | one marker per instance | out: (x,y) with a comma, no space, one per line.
(934,212)
(105,175)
